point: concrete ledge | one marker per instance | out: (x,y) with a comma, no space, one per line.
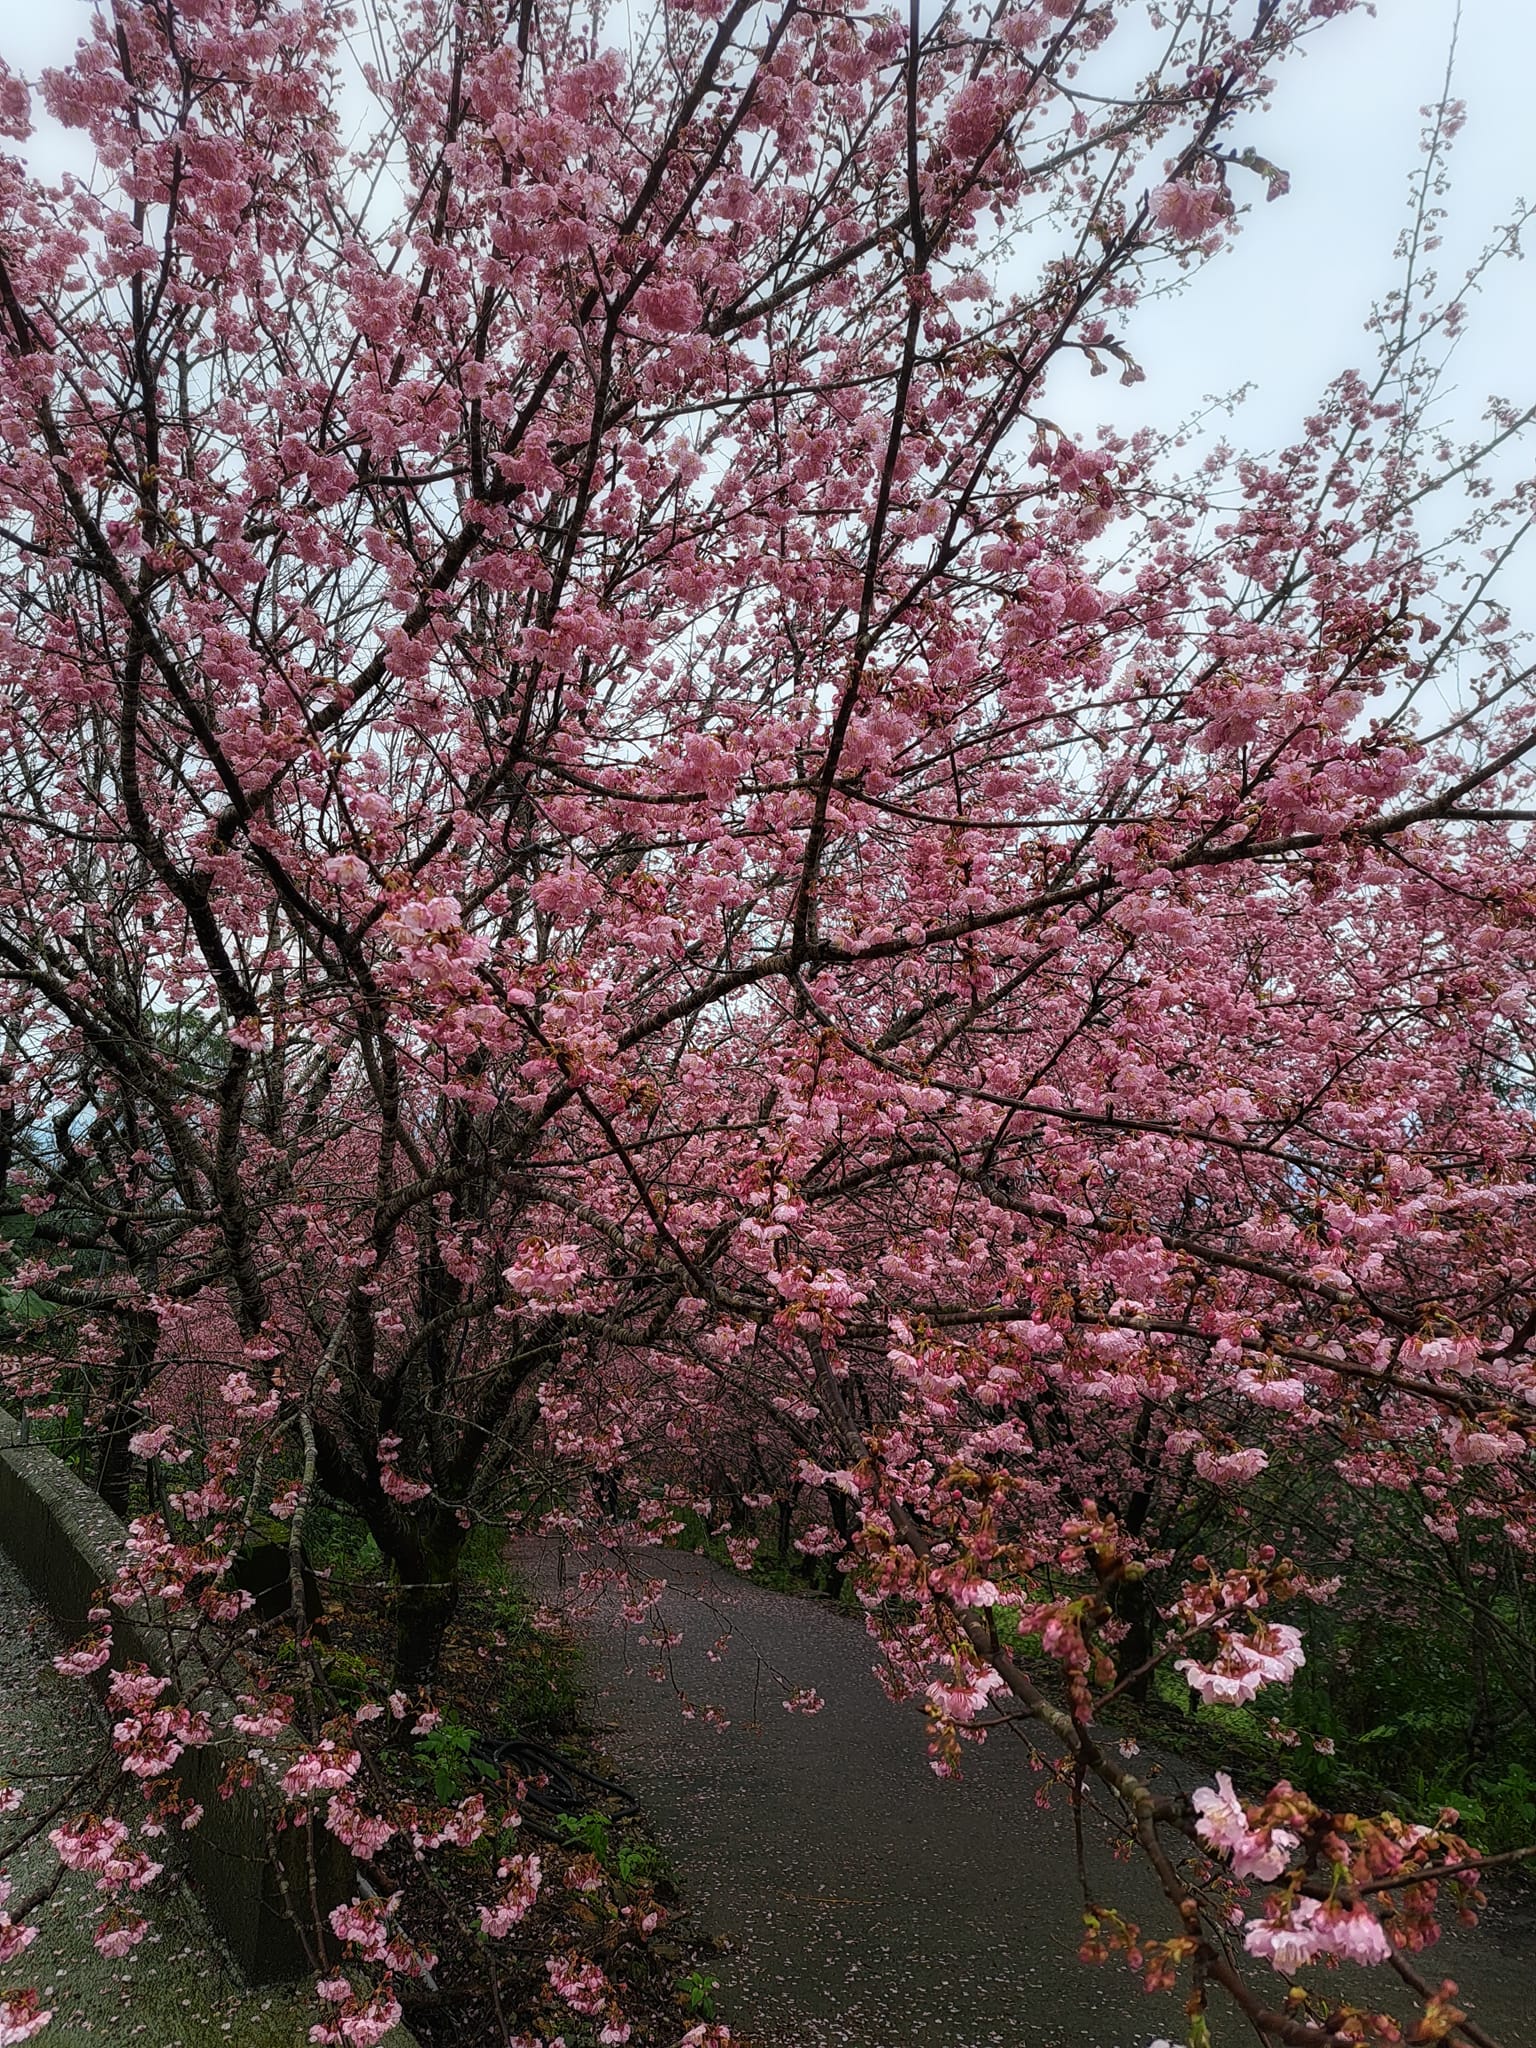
(68,1547)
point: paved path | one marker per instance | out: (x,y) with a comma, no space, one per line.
(868,1904)
(177,1989)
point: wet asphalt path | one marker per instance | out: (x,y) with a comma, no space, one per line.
(867,1903)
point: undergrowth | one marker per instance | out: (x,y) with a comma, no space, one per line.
(529,1676)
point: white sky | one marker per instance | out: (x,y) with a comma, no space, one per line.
(1283,309)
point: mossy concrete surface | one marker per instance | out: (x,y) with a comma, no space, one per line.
(221,1960)
(179,1988)
(68,1547)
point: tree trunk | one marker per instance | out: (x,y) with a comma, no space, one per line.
(426,1598)
(121,1416)
(114,1467)
(1134,1607)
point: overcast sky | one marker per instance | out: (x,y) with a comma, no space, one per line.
(1283,309)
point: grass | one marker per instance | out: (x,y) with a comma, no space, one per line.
(537,1678)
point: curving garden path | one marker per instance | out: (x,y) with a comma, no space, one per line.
(867,1904)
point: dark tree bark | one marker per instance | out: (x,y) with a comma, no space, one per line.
(424,1549)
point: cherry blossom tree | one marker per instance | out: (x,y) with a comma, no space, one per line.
(622,859)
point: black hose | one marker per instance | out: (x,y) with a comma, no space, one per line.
(554,1784)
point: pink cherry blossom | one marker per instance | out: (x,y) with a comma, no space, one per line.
(90,1844)
(963,1701)
(1305,1929)
(262,1716)
(364,1834)
(360,2020)
(581,1984)
(641,878)
(1244,1665)
(134,1689)
(1231,1468)
(1224,1825)
(156,1443)
(14,1936)
(116,1936)
(465,1824)
(1289,1940)
(86,1657)
(1355,1934)
(326,1768)
(522,1876)
(1186,211)
(21,2017)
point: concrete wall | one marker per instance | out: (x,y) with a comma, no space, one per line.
(67,1546)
